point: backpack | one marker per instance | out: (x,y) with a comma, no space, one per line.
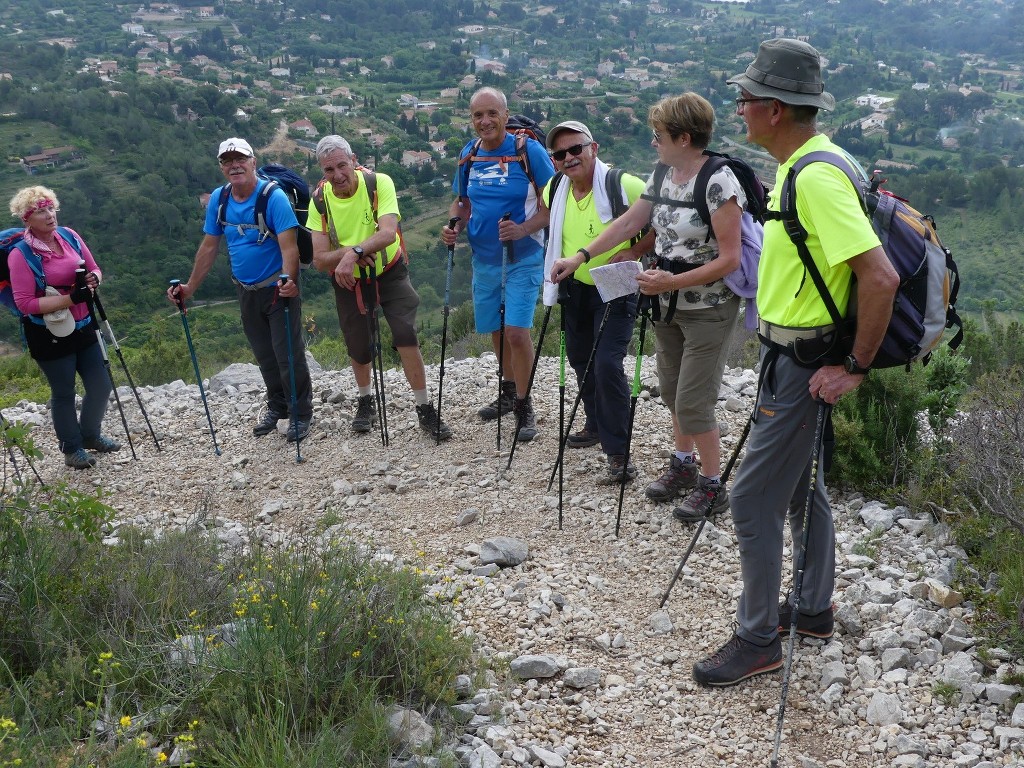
(925,302)
(297,192)
(13,238)
(743,280)
(522,128)
(370,184)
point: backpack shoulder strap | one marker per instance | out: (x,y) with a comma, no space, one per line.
(222,205)
(711,166)
(613,189)
(660,172)
(370,182)
(68,236)
(555,181)
(464,162)
(34,263)
(260,212)
(522,152)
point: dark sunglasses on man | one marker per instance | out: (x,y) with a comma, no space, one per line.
(575,150)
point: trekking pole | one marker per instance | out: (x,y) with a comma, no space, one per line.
(10,443)
(506,256)
(91,304)
(562,432)
(579,396)
(444,328)
(529,384)
(124,366)
(801,562)
(704,520)
(291,373)
(376,356)
(195,363)
(634,395)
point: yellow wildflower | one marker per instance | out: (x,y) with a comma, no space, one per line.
(126,721)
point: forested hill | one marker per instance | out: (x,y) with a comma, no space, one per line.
(137,98)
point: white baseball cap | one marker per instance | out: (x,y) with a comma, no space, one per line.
(60,322)
(235,145)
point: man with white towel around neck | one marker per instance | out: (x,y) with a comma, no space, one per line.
(580,209)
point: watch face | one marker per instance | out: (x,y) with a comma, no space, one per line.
(358,250)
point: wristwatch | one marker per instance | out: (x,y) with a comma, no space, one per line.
(852,366)
(586,254)
(357,251)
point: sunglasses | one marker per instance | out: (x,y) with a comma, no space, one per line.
(657,136)
(575,150)
(741,101)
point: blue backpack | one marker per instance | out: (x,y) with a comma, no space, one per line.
(13,238)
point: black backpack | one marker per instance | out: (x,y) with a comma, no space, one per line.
(296,190)
(925,302)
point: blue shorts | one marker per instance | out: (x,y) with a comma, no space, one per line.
(523,279)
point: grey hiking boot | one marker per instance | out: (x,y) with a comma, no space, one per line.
(676,478)
(617,468)
(706,500)
(431,423)
(737,660)
(366,414)
(583,439)
(101,444)
(267,424)
(821,625)
(526,419)
(79,459)
(298,429)
(508,402)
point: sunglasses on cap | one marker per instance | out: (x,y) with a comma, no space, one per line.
(575,150)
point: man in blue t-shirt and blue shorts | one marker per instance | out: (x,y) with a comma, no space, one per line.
(257,262)
(497,184)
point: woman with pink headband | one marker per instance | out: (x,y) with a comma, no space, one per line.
(60,335)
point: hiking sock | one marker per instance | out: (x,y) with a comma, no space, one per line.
(421,396)
(367,390)
(715,480)
(685,456)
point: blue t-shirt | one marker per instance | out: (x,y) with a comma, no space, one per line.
(494,188)
(251,261)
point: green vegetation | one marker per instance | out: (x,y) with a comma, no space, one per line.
(120,653)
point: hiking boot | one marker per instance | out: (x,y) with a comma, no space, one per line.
(366,414)
(299,429)
(526,419)
(508,402)
(736,661)
(677,478)
(617,467)
(79,459)
(101,444)
(582,439)
(706,500)
(821,625)
(431,423)
(267,424)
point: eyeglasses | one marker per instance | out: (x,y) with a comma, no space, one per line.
(575,150)
(657,137)
(741,101)
(229,159)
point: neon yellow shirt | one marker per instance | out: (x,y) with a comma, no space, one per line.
(353,216)
(837,230)
(582,224)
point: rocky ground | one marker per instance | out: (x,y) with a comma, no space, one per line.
(603,672)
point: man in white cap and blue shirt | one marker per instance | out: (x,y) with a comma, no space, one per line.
(257,261)
(780,95)
(580,209)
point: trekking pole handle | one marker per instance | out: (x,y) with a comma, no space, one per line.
(176,284)
(507,216)
(285,278)
(453,221)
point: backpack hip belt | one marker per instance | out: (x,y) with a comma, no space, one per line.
(676,267)
(785,334)
(807,347)
(255,286)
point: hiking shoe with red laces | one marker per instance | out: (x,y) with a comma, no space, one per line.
(676,478)
(737,660)
(821,625)
(705,501)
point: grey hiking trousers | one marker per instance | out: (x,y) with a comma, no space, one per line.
(770,486)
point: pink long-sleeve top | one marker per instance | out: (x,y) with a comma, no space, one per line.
(58,269)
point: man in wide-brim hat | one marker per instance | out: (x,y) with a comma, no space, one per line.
(780,95)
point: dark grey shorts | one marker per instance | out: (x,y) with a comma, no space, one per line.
(398,300)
